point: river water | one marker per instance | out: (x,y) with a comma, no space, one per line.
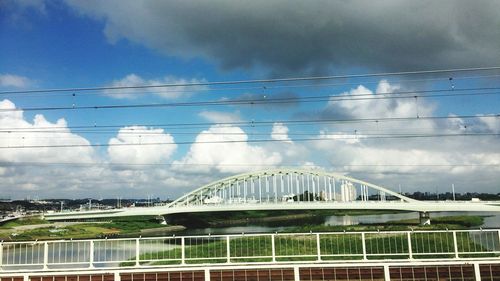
(491,220)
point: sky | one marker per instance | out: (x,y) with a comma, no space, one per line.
(71,44)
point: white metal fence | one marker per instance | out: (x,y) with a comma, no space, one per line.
(248,248)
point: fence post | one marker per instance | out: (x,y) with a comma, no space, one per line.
(228,249)
(137,251)
(207,274)
(498,237)
(117,276)
(387,273)
(45,255)
(410,250)
(318,246)
(296,273)
(477,272)
(363,245)
(183,250)
(273,248)
(91,254)
(455,245)
(1,254)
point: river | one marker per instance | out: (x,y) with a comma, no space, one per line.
(492,220)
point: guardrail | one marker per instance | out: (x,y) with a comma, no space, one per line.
(250,248)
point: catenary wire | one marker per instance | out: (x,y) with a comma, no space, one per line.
(236,82)
(267,88)
(256,123)
(329,98)
(324,138)
(32,163)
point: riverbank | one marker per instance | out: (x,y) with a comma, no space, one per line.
(38,229)
(284,218)
(33,228)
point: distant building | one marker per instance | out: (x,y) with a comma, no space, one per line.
(348,192)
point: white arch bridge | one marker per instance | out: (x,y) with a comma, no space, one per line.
(287,189)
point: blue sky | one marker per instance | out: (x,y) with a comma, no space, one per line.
(72,44)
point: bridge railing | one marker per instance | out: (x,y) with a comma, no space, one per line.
(248,248)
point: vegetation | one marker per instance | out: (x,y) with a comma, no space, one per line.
(451,221)
(303,247)
(23,221)
(129,225)
(71,231)
(438,223)
(133,226)
(119,226)
(285,217)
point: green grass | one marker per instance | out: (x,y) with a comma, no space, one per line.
(303,247)
(464,221)
(127,225)
(23,221)
(438,223)
(73,231)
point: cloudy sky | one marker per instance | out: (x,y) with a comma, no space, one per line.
(80,44)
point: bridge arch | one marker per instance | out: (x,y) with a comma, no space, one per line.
(286,186)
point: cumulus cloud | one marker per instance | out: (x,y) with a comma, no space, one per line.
(280,132)
(19,176)
(370,152)
(79,172)
(220,117)
(285,35)
(14,81)
(161,145)
(493,124)
(19,132)
(230,154)
(133,80)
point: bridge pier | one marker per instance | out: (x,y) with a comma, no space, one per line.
(424,218)
(162,219)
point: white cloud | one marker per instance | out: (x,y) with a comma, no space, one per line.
(220,117)
(373,155)
(19,177)
(14,81)
(231,154)
(57,134)
(280,132)
(173,92)
(493,124)
(120,151)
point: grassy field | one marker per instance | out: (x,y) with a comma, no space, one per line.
(23,221)
(450,222)
(303,247)
(46,230)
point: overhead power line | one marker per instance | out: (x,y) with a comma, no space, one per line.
(267,88)
(246,123)
(255,81)
(94,164)
(62,129)
(326,137)
(329,98)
